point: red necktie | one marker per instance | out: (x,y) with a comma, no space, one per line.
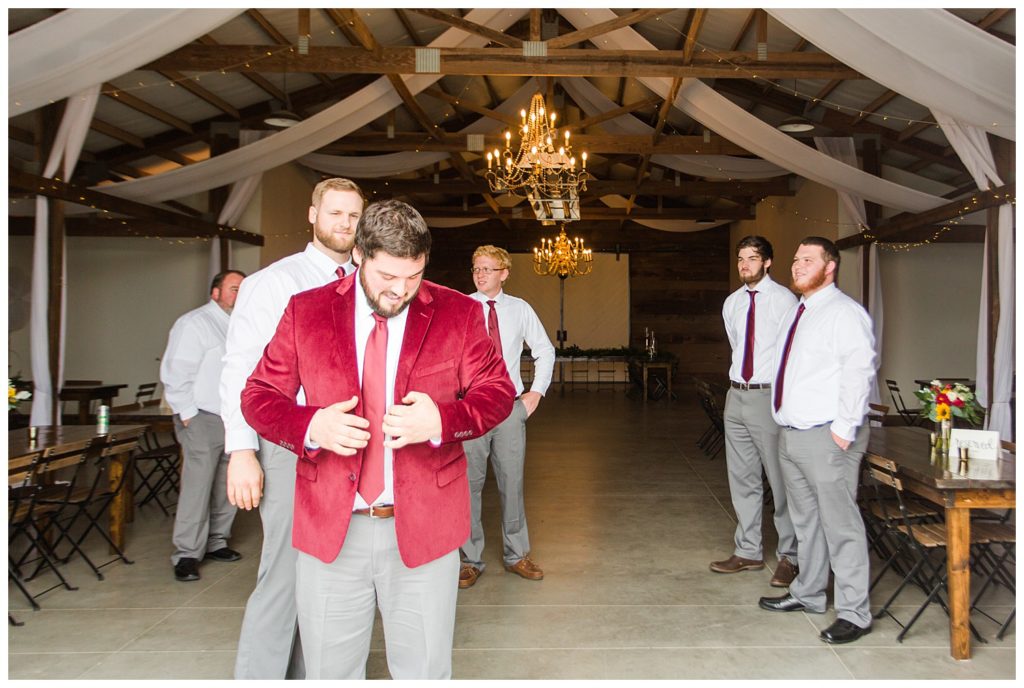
(785,357)
(492,327)
(371,478)
(340,272)
(748,346)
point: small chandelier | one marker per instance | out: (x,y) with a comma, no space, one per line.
(544,167)
(562,257)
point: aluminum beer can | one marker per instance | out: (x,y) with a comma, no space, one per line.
(103,420)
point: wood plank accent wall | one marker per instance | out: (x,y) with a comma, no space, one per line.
(678,293)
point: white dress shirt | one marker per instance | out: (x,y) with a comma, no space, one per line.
(191,365)
(772,303)
(831,366)
(518,323)
(261,301)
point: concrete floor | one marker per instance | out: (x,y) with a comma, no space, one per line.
(625,514)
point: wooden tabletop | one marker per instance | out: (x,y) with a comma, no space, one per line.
(56,435)
(909,447)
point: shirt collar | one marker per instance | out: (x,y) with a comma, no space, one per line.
(820,296)
(480,296)
(217,311)
(763,285)
(323,262)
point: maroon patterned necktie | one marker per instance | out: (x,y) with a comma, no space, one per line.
(780,378)
(371,477)
(492,327)
(748,345)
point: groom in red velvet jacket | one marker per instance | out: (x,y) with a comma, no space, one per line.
(397,373)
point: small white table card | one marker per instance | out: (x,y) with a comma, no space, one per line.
(981,444)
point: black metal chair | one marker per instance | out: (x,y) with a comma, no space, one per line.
(157,469)
(713,440)
(145,392)
(909,416)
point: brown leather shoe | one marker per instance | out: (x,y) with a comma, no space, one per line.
(526,568)
(468,575)
(785,572)
(736,564)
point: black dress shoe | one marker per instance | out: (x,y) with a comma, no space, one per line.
(843,631)
(785,603)
(187,569)
(224,554)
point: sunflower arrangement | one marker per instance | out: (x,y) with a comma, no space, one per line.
(942,401)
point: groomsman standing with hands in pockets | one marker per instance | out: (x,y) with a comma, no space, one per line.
(825,369)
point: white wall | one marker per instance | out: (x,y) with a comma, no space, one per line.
(123,295)
(596,305)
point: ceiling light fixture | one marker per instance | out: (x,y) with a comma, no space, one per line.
(283,119)
(795,125)
(543,168)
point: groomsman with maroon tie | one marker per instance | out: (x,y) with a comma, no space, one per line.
(752,315)
(825,368)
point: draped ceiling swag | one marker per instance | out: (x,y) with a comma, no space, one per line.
(707,155)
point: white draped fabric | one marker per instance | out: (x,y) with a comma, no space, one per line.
(377,166)
(64,156)
(593,102)
(928,55)
(844,150)
(52,59)
(974,150)
(238,198)
(326,126)
(727,119)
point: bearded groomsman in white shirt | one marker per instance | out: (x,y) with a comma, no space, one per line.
(752,315)
(269,646)
(510,322)
(190,372)
(825,369)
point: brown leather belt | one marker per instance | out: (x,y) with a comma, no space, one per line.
(747,385)
(385,511)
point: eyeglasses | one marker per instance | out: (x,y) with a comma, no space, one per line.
(485,271)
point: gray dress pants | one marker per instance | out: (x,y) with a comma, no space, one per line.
(821,481)
(752,442)
(268,647)
(506,446)
(203,521)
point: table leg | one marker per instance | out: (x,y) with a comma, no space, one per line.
(118,465)
(958,532)
(668,376)
(645,384)
(83,412)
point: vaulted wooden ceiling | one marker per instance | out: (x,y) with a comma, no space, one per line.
(166,114)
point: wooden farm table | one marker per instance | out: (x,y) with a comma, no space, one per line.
(986,485)
(655,365)
(159,418)
(123,439)
(85,394)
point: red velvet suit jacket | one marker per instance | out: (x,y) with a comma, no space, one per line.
(445,354)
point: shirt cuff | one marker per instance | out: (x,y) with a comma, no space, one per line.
(307,442)
(845,430)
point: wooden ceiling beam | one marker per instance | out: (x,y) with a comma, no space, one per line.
(190,85)
(896,226)
(748,22)
(403,17)
(125,98)
(113,132)
(465,104)
(873,106)
(612,114)
(113,204)
(634,17)
(278,37)
(209,43)
(637,144)
(595,187)
(598,212)
(249,59)
(470,27)
(692,32)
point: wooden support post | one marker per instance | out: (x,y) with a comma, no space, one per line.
(872,211)
(222,140)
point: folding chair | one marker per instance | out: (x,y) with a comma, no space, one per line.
(145,392)
(158,469)
(921,547)
(90,503)
(713,440)
(999,570)
(909,416)
(877,414)
(61,504)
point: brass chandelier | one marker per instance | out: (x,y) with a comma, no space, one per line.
(562,257)
(543,168)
